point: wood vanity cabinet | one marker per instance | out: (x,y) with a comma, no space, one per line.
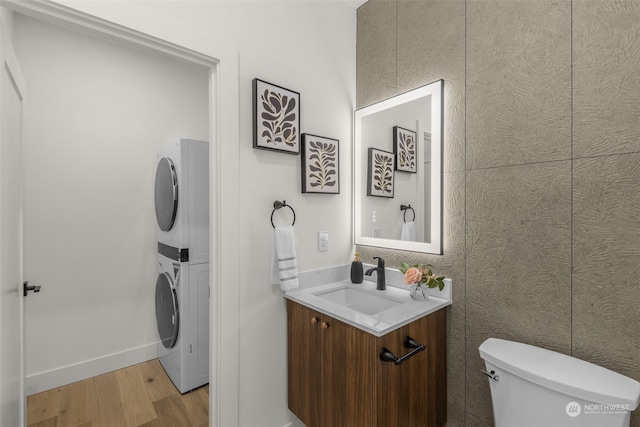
(336,377)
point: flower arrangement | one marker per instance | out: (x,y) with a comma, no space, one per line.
(421,275)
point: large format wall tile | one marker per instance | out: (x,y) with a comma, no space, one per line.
(518,82)
(518,264)
(453,260)
(431,47)
(376,52)
(606,257)
(472,421)
(606,79)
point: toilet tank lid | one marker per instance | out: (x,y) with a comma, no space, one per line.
(562,373)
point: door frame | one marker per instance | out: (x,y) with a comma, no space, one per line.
(224,162)
(12,67)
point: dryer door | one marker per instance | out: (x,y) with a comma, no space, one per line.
(167,314)
(166,196)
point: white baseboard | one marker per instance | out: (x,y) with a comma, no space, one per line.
(47,380)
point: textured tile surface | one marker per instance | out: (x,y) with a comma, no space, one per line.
(518,264)
(431,47)
(606,79)
(472,421)
(454,247)
(376,52)
(606,256)
(518,82)
(453,209)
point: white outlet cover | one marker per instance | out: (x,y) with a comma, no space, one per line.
(323,241)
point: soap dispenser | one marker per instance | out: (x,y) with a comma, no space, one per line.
(357,274)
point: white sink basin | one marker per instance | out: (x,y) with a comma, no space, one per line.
(367,302)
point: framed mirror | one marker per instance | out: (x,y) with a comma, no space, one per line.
(398,171)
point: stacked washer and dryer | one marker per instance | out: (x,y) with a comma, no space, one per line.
(182,288)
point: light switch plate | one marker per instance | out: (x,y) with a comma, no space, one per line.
(323,241)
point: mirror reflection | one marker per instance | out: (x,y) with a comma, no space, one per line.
(398,172)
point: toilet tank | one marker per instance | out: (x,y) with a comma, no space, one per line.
(536,387)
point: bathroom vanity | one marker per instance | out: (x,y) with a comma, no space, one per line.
(335,373)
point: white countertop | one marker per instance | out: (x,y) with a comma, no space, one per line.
(380,323)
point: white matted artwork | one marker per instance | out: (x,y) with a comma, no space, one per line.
(380,173)
(276,118)
(320,164)
(404,147)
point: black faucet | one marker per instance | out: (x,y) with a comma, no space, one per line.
(381,283)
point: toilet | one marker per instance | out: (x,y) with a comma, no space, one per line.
(531,386)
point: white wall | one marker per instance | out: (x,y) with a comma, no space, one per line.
(7,19)
(95,117)
(309,47)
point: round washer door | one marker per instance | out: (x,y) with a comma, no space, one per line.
(166,194)
(167,315)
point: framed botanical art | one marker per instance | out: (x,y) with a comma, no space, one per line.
(276,118)
(320,164)
(379,173)
(404,148)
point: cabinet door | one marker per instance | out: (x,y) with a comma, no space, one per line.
(330,370)
(436,399)
(414,393)
(347,373)
(303,353)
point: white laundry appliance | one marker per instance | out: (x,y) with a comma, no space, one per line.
(182,198)
(182,287)
(182,314)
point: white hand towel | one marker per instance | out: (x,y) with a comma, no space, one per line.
(284,270)
(408,231)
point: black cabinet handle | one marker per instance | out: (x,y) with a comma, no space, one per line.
(387,356)
(26,288)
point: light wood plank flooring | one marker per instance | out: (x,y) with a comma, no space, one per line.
(140,395)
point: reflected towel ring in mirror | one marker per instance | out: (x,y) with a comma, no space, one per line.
(405,208)
(281,204)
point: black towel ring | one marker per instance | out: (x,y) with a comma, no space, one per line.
(281,204)
(405,208)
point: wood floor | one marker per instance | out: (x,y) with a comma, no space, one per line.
(140,395)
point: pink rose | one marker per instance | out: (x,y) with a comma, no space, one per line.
(412,275)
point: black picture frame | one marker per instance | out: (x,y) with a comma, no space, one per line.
(380,173)
(276,118)
(405,149)
(320,164)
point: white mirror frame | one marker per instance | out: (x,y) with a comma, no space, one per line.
(435,91)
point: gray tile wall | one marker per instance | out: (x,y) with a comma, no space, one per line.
(542,172)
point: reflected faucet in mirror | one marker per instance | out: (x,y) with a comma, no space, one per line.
(398,158)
